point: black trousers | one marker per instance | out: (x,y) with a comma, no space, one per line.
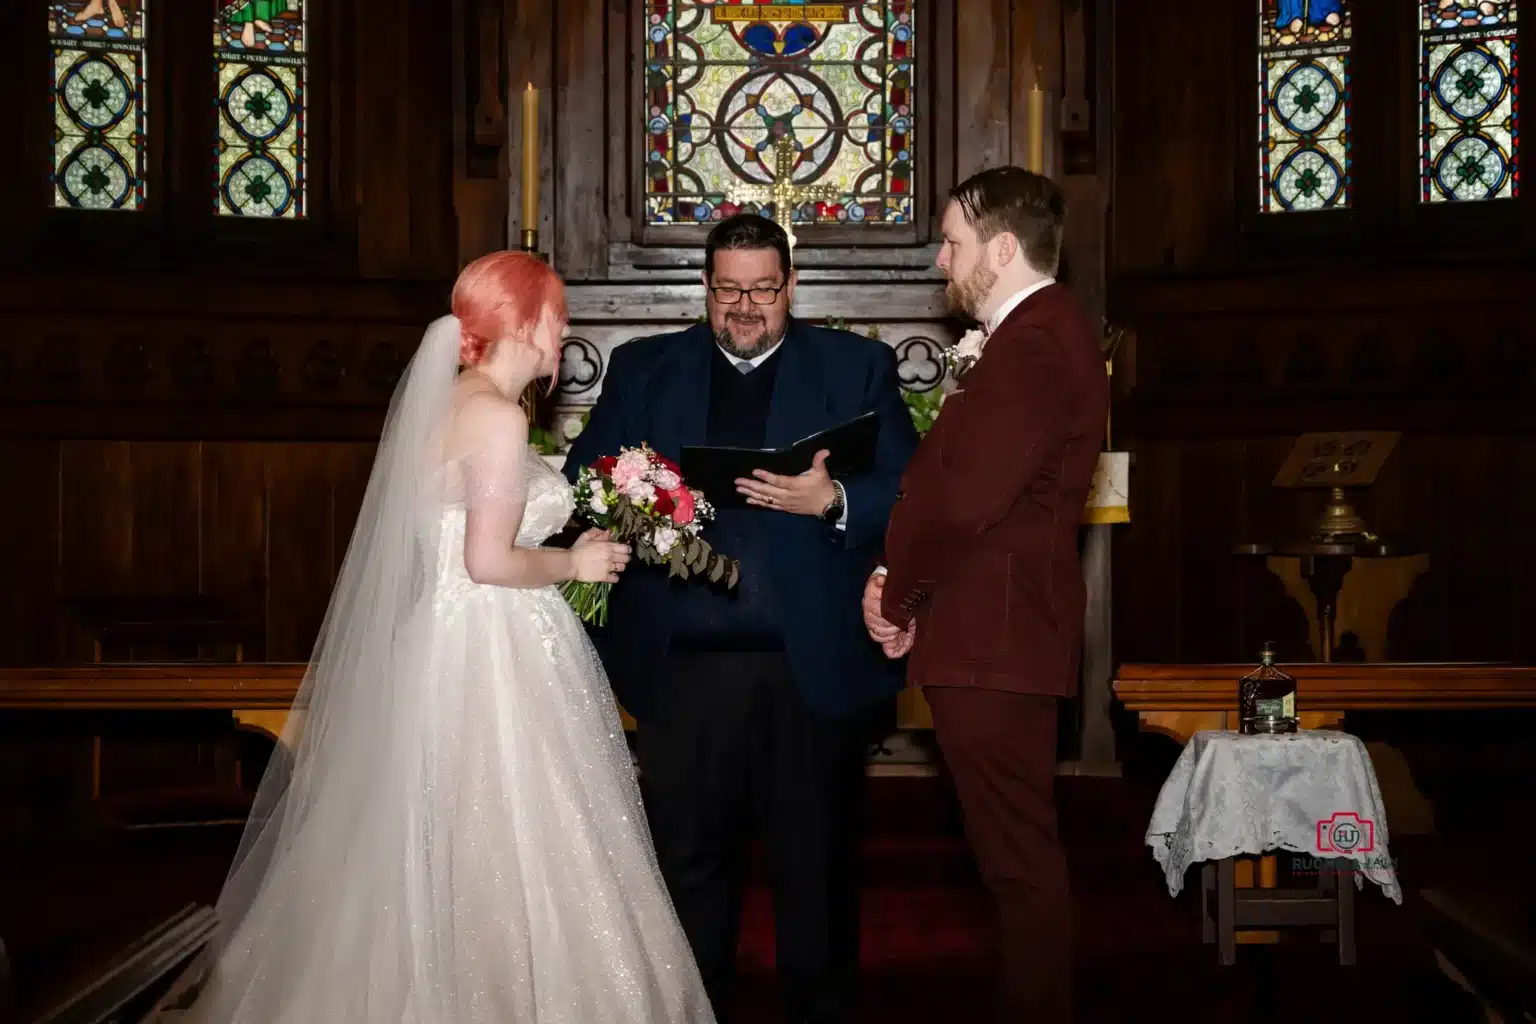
(736,751)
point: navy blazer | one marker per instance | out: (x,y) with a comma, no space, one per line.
(656,391)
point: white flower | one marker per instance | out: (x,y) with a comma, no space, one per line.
(665,479)
(664,539)
(970,345)
(638,490)
(572,429)
(598,502)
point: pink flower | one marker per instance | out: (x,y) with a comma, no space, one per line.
(630,467)
(666,479)
(682,506)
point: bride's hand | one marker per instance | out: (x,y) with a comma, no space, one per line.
(597,558)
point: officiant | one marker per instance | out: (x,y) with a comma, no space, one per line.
(755,706)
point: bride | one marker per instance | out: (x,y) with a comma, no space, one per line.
(457,835)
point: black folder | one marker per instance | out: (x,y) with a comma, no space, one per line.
(714,469)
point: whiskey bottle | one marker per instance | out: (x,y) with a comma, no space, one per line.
(1266,698)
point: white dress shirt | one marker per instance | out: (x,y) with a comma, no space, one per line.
(996,319)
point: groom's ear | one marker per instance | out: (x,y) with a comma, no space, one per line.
(1007,247)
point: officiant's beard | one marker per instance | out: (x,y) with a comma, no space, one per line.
(967,295)
(759,343)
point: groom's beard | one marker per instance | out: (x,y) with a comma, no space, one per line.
(967,295)
(757,340)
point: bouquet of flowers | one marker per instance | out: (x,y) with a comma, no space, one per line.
(640,498)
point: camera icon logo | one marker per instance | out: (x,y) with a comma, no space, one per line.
(1345,832)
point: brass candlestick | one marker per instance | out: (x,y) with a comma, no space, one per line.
(533,395)
(530,244)
(1340,521)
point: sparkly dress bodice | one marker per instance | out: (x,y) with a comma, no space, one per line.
(547,506)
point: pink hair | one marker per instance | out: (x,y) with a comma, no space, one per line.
(502,294)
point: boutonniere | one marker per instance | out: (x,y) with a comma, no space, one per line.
(966,352)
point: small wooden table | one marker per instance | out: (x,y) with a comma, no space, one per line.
(1178,701)
(1329,907)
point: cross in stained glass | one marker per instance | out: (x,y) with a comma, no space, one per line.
(784,194)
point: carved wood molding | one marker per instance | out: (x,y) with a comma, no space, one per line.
(683,303)
(1353,687)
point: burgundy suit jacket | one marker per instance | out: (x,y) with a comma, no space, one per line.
(982,543)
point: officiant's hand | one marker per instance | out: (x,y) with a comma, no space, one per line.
(808,494)
(880,630)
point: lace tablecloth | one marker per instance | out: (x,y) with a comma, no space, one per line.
(1313,793)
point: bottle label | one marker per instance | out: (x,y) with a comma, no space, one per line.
(1276,707)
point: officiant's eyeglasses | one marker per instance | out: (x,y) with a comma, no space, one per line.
(729,296)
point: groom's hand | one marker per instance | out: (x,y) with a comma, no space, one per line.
(808,494)
(899,647)
(880,630)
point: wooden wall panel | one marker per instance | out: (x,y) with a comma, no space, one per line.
(166,487)
(96,516)
(29,551)
(263,526)
(351,466)
(233,513)
(982,93)
(580,251)
(300,546)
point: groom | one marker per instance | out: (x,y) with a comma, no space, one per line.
(755,707)
(984,586)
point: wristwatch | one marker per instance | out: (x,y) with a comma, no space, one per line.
(834,510)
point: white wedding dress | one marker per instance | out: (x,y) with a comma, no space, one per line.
(458,837)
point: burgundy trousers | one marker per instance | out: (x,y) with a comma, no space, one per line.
(1000,749)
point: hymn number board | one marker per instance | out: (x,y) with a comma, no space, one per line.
(1349,459)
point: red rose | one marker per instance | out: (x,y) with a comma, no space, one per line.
(663,505)
(665,463)
(605,465)
(682,514)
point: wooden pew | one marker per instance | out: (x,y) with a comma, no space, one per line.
(258,695)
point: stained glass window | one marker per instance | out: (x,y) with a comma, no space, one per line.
(726,80)
(259,151)
(98,69)
(1469,100)
(1304,139)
